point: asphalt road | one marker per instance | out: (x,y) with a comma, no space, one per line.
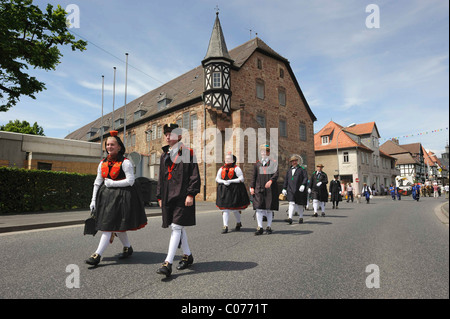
(401,245)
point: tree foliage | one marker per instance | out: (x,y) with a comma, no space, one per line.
(29,37)
(23,127)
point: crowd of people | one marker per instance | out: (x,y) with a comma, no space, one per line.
(118,207)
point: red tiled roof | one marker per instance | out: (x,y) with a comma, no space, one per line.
(332,129)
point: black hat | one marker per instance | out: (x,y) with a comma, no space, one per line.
(169,127)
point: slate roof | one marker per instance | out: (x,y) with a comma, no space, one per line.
(183,91)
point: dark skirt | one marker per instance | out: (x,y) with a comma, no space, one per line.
(119,209)
(300,198)
(232,197)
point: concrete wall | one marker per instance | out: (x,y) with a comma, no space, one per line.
(27,151)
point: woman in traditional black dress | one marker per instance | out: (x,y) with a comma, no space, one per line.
(116,200)
(232,196)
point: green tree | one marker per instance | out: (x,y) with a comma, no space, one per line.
(23,127)
(29,37)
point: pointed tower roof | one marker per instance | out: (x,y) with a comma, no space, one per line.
(217,47)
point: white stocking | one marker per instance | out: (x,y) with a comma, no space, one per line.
(269,215)
(322,206)
(104,242)
(237,215)
(124,239)
(291,209)
(184,242)
(259,217)
(300,210)
(315,205)
(225,217)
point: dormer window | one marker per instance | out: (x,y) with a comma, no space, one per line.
(163,103)
(118,122)
(138,114)
(325,140)
(92,132)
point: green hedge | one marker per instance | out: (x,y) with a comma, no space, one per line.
(24,190)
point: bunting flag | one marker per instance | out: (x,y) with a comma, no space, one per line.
(415,134)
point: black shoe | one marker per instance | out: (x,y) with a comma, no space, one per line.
(323,214)
(238,226)
(332,207)
(289,221)
(185,262)
(315,215)
(166,269)
(127,252)
(225,229)
(259,231)
(300,221)
(268,230)
(93,260)
(337,207)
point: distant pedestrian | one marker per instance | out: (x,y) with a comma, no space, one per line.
(118,204)
(416,191)
(232,195)
(294,188)
(366,192)
(318,189)
(264,189)
(447,189)
(392,191)
(335,192)
(435,190)
(399,192)
(349,192)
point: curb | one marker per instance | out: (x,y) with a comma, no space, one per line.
(441,213)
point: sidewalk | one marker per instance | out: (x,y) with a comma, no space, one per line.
(29,221)
(21,222)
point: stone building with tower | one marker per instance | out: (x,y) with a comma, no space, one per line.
(234,101)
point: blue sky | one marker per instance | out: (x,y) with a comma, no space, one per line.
(396,75)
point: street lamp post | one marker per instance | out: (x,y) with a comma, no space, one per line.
(337,146)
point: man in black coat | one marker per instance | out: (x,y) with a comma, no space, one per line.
(179,182)
(294,186)
(336,191)
(264,189)
(318,189)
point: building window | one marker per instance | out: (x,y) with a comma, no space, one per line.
(153,158)
(154,131)
(44,166)
(193,121)
(281,73)
(217,83)
(259,63)
(118,122)
(260,89)
(325,140)
(302,132)
(282,96)
(346,159)
(261,119)
(186,122)
(159,134)
(283,129)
